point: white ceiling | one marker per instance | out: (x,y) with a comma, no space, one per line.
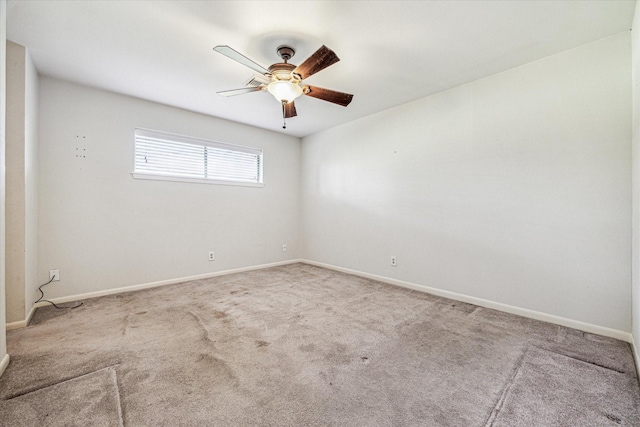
(392,52)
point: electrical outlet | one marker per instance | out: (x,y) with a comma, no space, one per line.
(284,248)
(55,275)
(212,256)
(394,261)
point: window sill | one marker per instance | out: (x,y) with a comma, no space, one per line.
(139,175)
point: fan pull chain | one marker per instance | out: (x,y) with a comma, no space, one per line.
(284,115)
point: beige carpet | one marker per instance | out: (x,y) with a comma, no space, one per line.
(299,345)
(553,381)
(93,397)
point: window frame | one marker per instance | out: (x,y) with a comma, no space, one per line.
(200,142)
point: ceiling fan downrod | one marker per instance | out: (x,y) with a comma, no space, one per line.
(286,52)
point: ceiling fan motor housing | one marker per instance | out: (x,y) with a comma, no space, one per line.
(282,71)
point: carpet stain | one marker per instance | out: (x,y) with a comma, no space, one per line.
(216,367)
(339,355)
(613,418)
(475,311)
(261,343)
(310,348)
(464,307)
(125,324)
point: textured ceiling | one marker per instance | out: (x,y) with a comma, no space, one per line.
(392,52)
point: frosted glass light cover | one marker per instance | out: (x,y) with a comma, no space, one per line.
(284,91)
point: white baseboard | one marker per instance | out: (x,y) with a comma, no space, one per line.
(4,363)
(16,325)
(34,307)
(635,357)
(575,324)
(24,323)
(550,318)
(78,297)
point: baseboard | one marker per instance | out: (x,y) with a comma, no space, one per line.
(78,297)
(636,359)
(4,363)
(24,323)
(34,307)
(532,314)
(16,325)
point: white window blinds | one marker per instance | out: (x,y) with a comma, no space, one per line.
(160,155)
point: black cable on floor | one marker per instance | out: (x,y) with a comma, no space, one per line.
(41,299)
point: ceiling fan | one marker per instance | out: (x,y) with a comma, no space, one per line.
(284,80)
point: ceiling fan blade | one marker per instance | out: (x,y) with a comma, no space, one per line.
(242,91)
(320,60)
(258,80)
(238,57)
(289,110)
(339,98)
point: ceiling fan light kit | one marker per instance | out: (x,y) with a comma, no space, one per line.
(284,80)
(284,91)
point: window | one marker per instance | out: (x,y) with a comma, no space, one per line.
(164,156)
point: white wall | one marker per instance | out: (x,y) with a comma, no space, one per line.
(104,229)
(4,357)
(22,183)
(635,72)
(515,188)
(31,125)
(15,194)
